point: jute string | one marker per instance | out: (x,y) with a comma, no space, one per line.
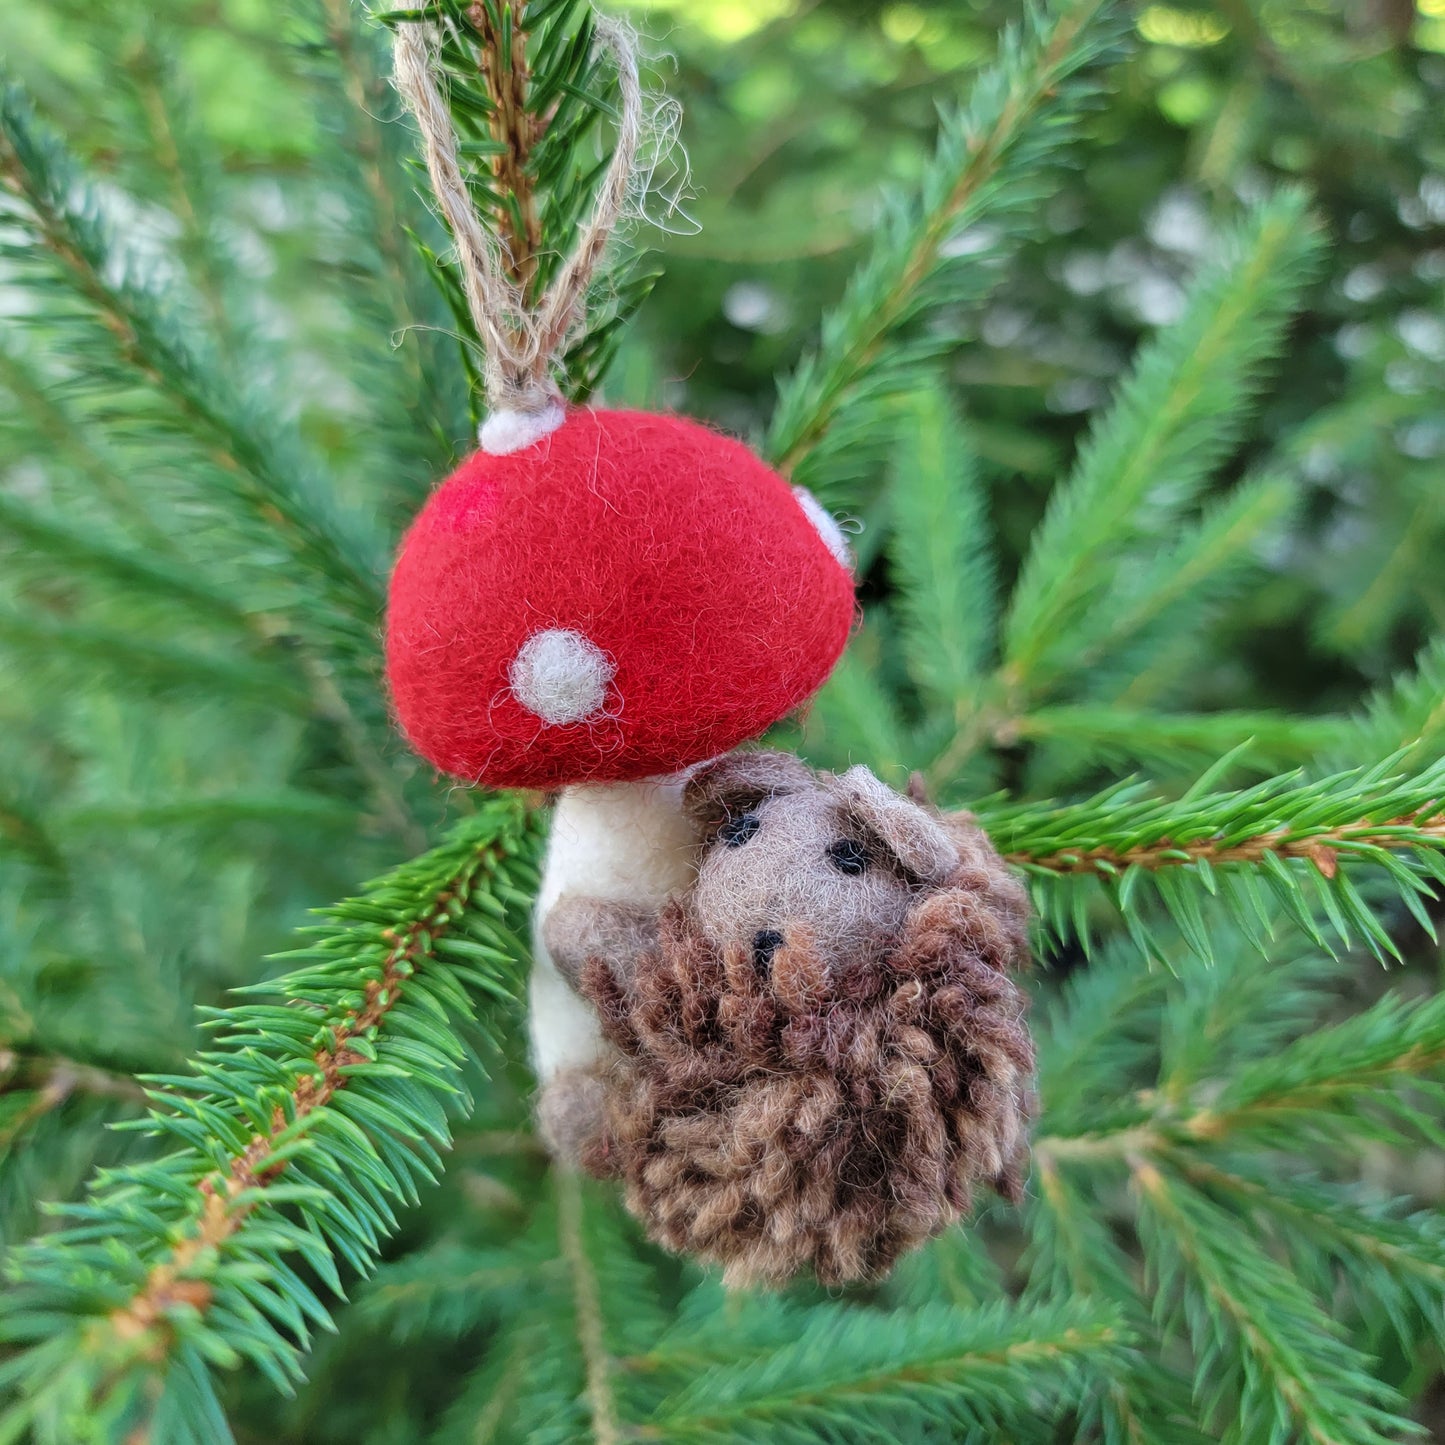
(521,341)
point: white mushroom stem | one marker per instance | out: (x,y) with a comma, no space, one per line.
(624,841)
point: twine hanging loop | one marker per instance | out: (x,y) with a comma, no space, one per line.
(522,341)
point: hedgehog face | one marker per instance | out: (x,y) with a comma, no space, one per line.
(799,867)
(796,858)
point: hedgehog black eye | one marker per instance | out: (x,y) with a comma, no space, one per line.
(736,831)
(848,856)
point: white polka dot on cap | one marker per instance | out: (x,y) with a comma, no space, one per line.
(561,676)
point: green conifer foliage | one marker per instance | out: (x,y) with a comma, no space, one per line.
(235,358)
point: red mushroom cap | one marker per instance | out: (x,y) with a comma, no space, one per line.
(629,595)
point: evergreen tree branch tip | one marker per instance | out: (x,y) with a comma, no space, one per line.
(515,129)
(338,1112)
(1136,844)
(990,164)
(1360,810)
(1323,848)
(231,1195)
(529,210)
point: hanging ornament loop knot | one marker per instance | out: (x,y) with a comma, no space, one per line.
(523,339)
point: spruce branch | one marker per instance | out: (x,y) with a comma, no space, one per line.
(955,1269)
(1213,1185)
(214,811)
(502,35)
(1142,637)
(1406,716)
(1073,1253)
(1320,846)
(1093,733)
(449,1289)
(1374,1076)
(1387,1251)
(528,94)
(586,1311)
(335,1103)
(1113,658)
(301,652)
(50,645)
(1303,837)
(287,673)
(1237,1011)
(1212,1281)
(59,1077)
(994,164)
(147,69)
(940,553)
(42,420)
(1176,417)
(1102,1036)
(291,678)
(499,1397)
(590,1315)
(93,553)
(44,1082)
(365,91)
(1390,1262)
(1299,1375)
(403,363)
(63,218)
(710,1325)
(965,1369)
(854,716)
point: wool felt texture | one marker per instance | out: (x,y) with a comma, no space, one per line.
(813,1065)
(629,843)
(686,562)
(827,525)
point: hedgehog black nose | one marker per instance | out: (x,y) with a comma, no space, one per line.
(765,944)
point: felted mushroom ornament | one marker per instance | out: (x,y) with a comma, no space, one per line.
(595,601)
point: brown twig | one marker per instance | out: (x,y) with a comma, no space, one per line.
(517,130)
(54,1080)
(1322,848)
(230,1195)
(587,1299)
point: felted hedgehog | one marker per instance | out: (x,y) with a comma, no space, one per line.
(819,1045)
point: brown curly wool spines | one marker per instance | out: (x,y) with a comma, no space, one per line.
(842,1132)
